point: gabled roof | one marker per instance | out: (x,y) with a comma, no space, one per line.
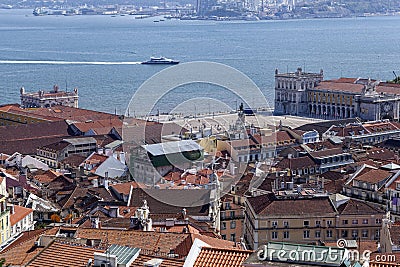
(74,160)
(357,207)
(98,127)
(19,214)
(373,176)
(46,177)
(124,188)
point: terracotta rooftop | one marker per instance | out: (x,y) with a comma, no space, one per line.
(357,207)
(19,214)
(373,176)
(57,113)
(74,160)
(95,159)
(151,241)
(218,257)
(22,250)
(124,188)
(296,163)
(327,152)
(58,254)
(380,154)
(157,206)
(267,205)
(99,127)
(340,86)
(46,177)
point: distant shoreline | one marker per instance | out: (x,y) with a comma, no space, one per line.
(253,18)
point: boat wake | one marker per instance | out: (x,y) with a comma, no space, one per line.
(68,62)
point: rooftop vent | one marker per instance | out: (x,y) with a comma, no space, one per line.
(153,263)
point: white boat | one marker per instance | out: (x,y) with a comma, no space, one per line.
(160,60)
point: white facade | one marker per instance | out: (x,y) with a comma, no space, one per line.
(290,91)
(21,219)
(48,99)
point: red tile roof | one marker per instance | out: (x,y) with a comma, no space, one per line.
(218,257)
(327,152)
(151,241)
(357,207)
(296,163)
(373,176)
(22,250)
(124,188)
(60,254)
(267,205)
(340,86)
(100,127)
(59,113)
(46,177)
(19,214)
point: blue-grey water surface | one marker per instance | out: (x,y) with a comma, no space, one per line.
(367,47)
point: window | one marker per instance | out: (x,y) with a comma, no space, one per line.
(222,214)
(223,237)
(329,233)
(274,235)
(354,222)
(345,222)
(377,234)
(364,233)
(317,223)
(232,214)
(233,224)
(378,221)
(233,237)
(274,224)
(306,223)
(354,233)
(223,225)
(329,223)
(227,206)
(306,234)
(285,223)
(345,233)
(286,235)
(317,234)
(365,221)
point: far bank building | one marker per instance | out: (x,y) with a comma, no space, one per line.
(308,94)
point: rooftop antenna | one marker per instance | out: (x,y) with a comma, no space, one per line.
(66,86)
